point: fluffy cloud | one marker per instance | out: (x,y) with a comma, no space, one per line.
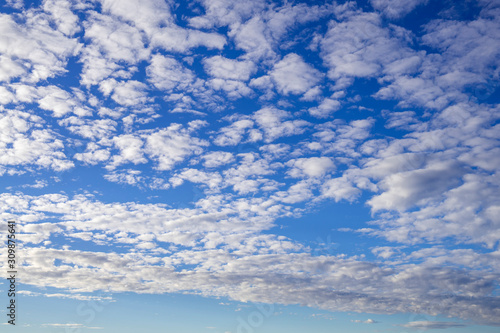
(231,69)
(274,123)
(311,167)
(24,141)
(33,49)
(293,75)
(233,134)
(361,47)
(167,73)
(217,158)
(172,145)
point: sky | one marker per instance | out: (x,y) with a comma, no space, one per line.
(253,166)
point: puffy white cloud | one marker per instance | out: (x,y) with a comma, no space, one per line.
(452,69)
(215,159)
(299,192)
(61,12)
(274,124)
(361,47)
(230,69)
(368,321)
(146,15)
(90,129)
(155,19)
(233,89)
(172,145)
(465,46)
(127,93)
(241,256)
(325,108)
(340,189)
(233,134)
(211,179)
(253,38)
(114,39)
(177,39)
(32,50)
(9,68)
(166,73)
(226,12)
(131,150)
(341,138)
(93,154)
(293,75)
(311,167)
(24,141)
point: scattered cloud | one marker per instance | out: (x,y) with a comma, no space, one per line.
(219,121)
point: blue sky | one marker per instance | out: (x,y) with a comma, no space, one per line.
(259,166)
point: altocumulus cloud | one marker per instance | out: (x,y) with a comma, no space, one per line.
(173,139)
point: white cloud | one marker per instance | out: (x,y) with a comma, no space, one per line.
(114,39)
(130,177)
(341,138)
(166,73)
(93,154)
(131,150)
(177,39)
(38,184)
(33,49)
(230,69)
(340,189)
(127,93)
(233,134)
(23,141)
(396,9)
(226,12)
(253,38)
(241,256)
(211,179)
(293,75)
(310,167)
(10,69)
(234,89)
(217,158)
(172,145)
(325,108)
(273,123)
(361,47)
(55,99)
(296,193)
(90,129)
(61,13)
(147,15)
